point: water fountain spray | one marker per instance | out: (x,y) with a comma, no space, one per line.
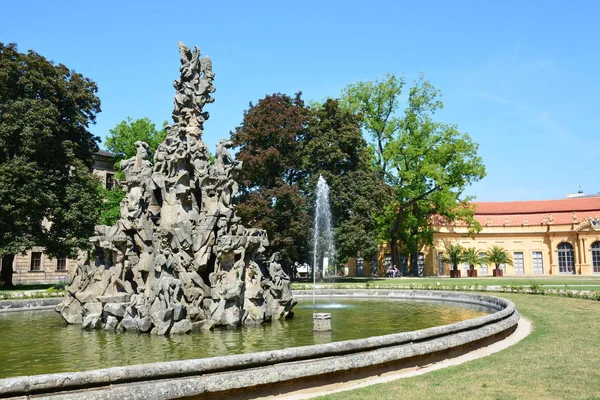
(323,247)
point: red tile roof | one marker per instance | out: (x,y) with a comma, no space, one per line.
(539,206)
(563,211)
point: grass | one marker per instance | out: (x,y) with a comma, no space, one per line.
(560,359)
(35,291)
(22,288)
(591,283)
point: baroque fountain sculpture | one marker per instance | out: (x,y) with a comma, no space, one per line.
(179,258)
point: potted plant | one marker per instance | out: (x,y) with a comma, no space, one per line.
(472,258)
(497,255)
(453,256)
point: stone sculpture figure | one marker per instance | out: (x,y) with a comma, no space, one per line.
(277,289)
(179,258)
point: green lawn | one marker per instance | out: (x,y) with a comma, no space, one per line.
(559,282)
(30,291)
(26,288)
(560,359)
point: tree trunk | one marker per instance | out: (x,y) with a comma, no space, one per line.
(7,271)
(395,252)
(395,236)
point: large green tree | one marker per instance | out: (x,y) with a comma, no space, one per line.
(121,139)
(427,164)
(376,102)
(285,146)
(48,195)
(121,142)
(269,141)
(335,148)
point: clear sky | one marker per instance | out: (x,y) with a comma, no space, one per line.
(521,77)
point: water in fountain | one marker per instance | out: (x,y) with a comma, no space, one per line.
(323,247)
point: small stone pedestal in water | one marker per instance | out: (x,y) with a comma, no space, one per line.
(321,322)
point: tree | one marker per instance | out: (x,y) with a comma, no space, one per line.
(48,195)
(110,207)
(498,255)
(335,148)
(427,164)
(453,255)
(121,139)
(121,142)
(270,197)
(376,103)
(472,258)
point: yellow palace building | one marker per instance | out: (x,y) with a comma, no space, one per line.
(546,237)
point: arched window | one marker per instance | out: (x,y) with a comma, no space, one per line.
(566,258)
(596,257)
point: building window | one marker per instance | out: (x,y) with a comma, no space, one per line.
(359,266)
(61,264)
(538,267)
(374,266)
(421,264)
(110,181)
(518,262)
(440,263)
(403,267)
(596,257)
(566,258)
(36,261)
(483,267)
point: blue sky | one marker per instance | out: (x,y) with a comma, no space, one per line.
(521,77)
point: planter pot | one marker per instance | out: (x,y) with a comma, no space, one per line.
(472,273)
(498,272)
(454,274)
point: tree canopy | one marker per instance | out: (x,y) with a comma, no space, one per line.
(498,255)
(121,139)
(285,146)
(48,195)
(269,140)
(121,142)
(376,103)
(427,164)
(472,258)
(453,255)
(335,148)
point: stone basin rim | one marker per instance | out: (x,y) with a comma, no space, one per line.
(491,324)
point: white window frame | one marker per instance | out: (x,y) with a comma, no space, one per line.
(565,252)
(520,264)
(483,267)
(595,257)
(541,263)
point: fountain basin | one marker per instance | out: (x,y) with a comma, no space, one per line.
(292,367)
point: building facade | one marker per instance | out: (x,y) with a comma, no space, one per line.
(34,266)
(548,237)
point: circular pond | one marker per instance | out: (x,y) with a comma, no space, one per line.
(37,342)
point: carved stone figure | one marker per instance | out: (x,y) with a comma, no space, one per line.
(277,290)
(178,258)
